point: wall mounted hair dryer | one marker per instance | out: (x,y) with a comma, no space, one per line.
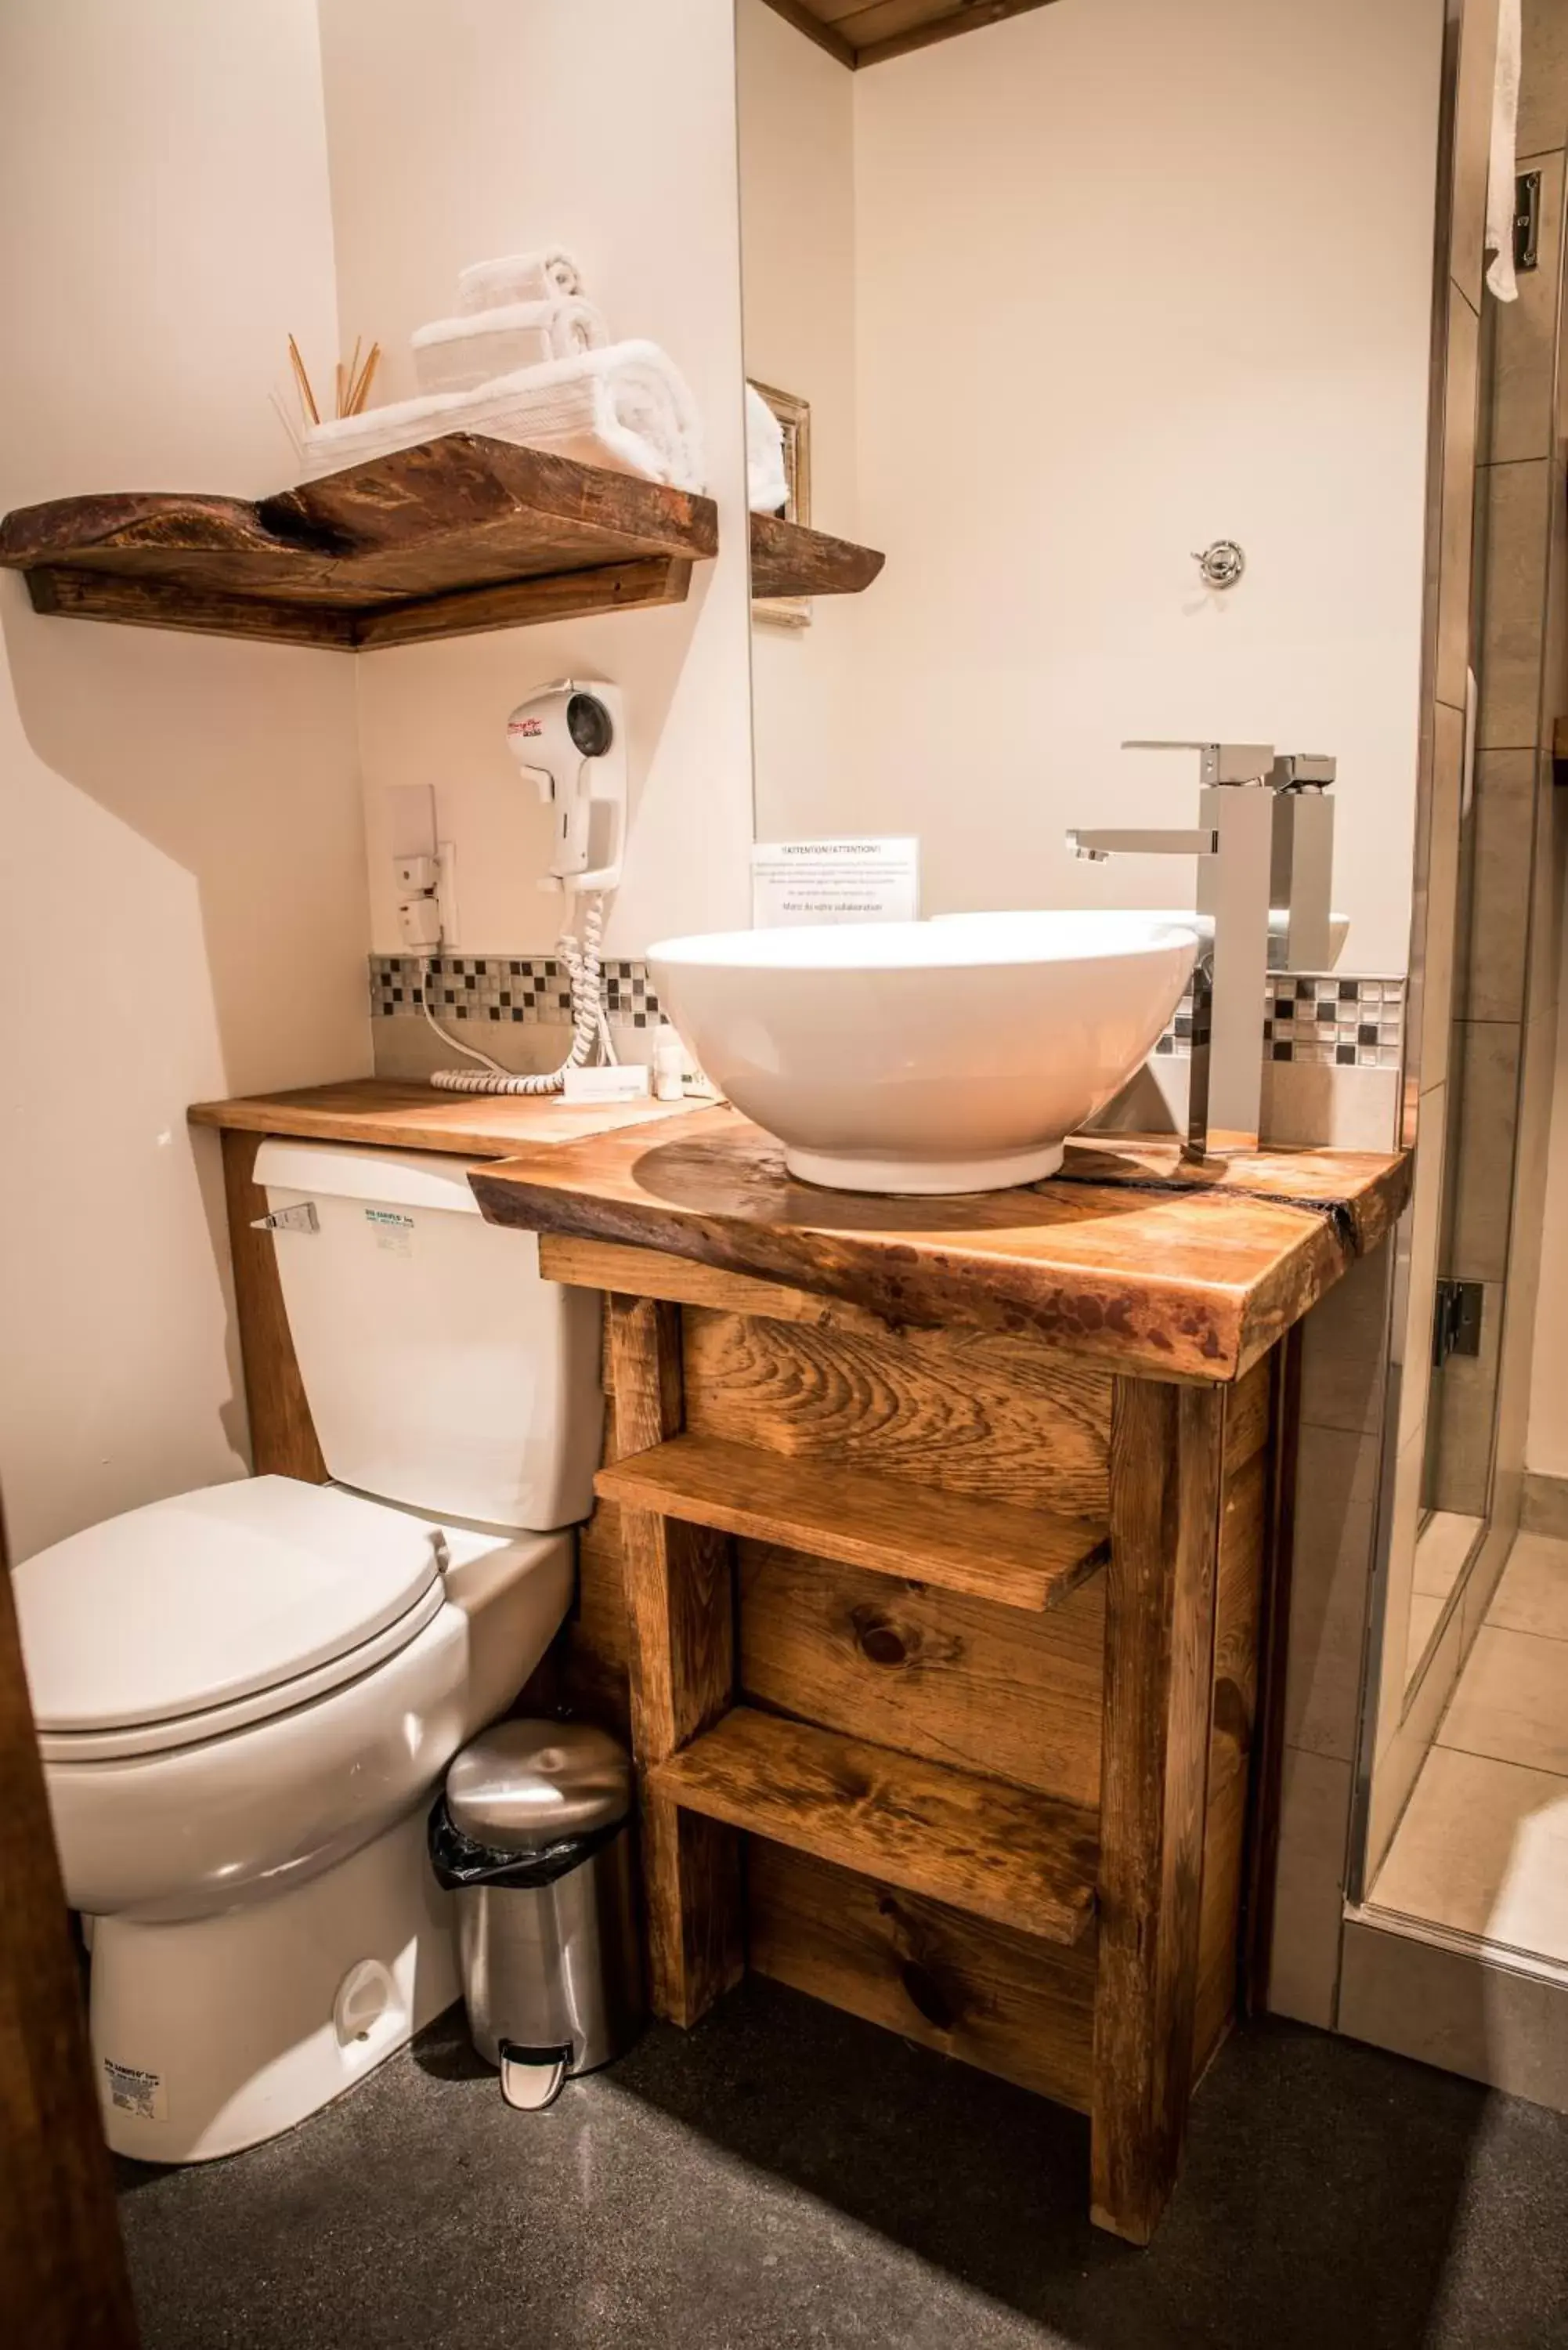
(571,738)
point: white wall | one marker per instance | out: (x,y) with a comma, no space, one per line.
(457,133)
(797,243)
(1131,277)
(183,845)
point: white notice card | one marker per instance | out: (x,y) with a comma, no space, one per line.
(834,881)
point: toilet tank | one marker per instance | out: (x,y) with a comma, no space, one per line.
(441,1370)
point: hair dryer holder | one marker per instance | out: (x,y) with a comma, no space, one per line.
(570,737)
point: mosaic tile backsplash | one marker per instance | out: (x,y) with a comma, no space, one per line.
(503,988)
(1333,1022)
(1349,1024)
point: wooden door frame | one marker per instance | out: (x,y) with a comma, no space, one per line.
(63,2278)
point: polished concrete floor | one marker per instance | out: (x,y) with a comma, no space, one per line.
(785,2177)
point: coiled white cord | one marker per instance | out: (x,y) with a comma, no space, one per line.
(590,1022)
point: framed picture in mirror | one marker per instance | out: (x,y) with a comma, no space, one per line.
(794,415)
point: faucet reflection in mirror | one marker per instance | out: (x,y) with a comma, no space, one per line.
(1264,840)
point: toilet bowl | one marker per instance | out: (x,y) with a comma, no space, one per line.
(245,1695)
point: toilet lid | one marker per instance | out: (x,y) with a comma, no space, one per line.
(210,1596)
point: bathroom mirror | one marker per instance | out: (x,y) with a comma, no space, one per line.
(1052,349)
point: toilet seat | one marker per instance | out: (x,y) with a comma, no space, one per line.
(141,1741)
(217,1609)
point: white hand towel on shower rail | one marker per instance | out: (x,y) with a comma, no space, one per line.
(459,354)
(542,276)
(627,408)
(1504,160)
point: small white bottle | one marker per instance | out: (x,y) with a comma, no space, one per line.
(668,1066)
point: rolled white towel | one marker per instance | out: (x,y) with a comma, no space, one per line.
(767,484)
(627,408)
(542,276)
(459,354)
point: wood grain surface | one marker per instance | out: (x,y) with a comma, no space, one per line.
(956,1680)
(788,558)
(967,1411)
(1006,2002)
(647,1273)
(993,1850)
(868,32)
(391,1114)
(1126,1256)
(679,1621)
(283,1433)
(1020,1558)
(1167,1449)
(63,2283)
(455,535)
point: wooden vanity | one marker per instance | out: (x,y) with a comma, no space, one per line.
(938,1571)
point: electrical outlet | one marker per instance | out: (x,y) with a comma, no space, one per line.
(426,898)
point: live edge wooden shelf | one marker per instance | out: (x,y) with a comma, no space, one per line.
(449,539)
(938,1570)
(790,559)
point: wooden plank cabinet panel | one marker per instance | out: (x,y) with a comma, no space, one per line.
(1166,1479)
(966,1411)
(930,1672)
(1248,1415)
(1019,1558)
(984,1846)
(1224,1856)
(283,1434)
(1239,1601)
(1240,1596)
(647,1273)
(680,1640)
(1008,2003)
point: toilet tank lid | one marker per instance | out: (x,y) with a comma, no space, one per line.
(210,1596)
(407,1178)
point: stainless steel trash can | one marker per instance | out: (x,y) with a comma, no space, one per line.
(532,1833)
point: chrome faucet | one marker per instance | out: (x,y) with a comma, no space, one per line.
(1264,839)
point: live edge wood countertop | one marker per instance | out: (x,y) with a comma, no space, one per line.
(1126,1256)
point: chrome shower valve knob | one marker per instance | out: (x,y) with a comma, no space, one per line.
(1221,562)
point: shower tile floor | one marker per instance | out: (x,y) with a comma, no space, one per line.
(1482,1849)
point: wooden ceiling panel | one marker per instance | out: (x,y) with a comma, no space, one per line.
(865,32)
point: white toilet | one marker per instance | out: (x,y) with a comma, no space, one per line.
(246,1696)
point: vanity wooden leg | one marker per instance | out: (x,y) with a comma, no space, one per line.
(681,1616)
(1166,1463)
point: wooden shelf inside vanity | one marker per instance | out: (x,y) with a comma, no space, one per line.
(1008,1853)
(1019,1558)
(451,537)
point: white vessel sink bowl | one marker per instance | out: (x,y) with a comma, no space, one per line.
(926,1057)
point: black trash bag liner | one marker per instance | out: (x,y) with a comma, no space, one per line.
(458,1860)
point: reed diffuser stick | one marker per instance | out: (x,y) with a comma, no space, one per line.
(307,397)
(359,388)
